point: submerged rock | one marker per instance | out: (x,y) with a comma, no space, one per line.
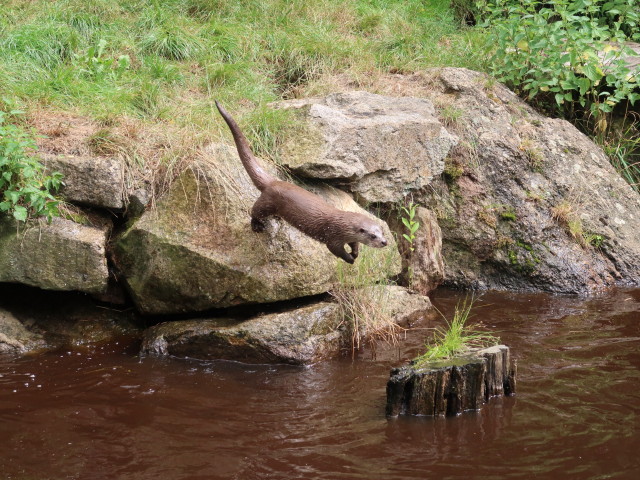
(62,255)
(450,387)
(527,202)
(32,319)
(196,250)
(15,337)
(383,147)
(300,336)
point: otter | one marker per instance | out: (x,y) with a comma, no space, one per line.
(302,209)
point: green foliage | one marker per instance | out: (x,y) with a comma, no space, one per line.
(94,63)
(457,338)
(621,142)
(566,54)
(25,189)
(410,223)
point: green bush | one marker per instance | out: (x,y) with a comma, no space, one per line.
(566,54)
(25,189)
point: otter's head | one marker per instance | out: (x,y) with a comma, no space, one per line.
(370,233)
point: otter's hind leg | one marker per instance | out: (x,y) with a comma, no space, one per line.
(339,251)
(259,213)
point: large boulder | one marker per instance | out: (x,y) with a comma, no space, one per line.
(90,180)
(526,201)
(299,336)
(61,255)
(196,250)
(383,147)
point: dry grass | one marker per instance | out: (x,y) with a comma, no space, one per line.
(364,300)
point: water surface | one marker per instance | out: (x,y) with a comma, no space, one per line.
(104,413)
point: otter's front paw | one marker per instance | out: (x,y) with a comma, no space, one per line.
(257,225)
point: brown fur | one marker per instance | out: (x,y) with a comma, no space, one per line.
(304,210)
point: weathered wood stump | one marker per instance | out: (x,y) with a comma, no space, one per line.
(452,386)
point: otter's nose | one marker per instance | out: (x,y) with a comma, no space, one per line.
(383,243)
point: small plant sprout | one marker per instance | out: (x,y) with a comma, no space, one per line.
(410,223)
(457,338)
(93,63)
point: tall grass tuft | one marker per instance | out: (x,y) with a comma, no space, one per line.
(171,43)
(457,338)
(48,44)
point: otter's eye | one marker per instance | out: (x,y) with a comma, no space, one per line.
(372,235)
(362,230)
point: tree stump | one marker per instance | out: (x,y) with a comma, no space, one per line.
(450,387)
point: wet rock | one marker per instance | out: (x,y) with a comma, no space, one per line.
(300,336)
(527,202)
(384,147)
(423,267)
(15,337)
(90,180)
(196,250)
(395,303)
(38,319)
(62,255)
(453,386)
(402,305)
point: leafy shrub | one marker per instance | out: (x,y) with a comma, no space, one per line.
(25,189)
(568,54)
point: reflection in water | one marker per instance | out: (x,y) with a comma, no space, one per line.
(103,412)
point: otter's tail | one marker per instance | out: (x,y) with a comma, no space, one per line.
(259,176)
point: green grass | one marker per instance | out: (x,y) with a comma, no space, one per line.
(457,338)
(185,53)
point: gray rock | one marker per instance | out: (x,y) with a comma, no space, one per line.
(384,147)
(138,201)
(14,337)
(403,305)
(528,202)
(196,249)
(62,255)
(93,181)
(301,336)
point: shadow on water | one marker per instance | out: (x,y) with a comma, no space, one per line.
(104,413)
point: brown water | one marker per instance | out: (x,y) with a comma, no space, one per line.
(104,413)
